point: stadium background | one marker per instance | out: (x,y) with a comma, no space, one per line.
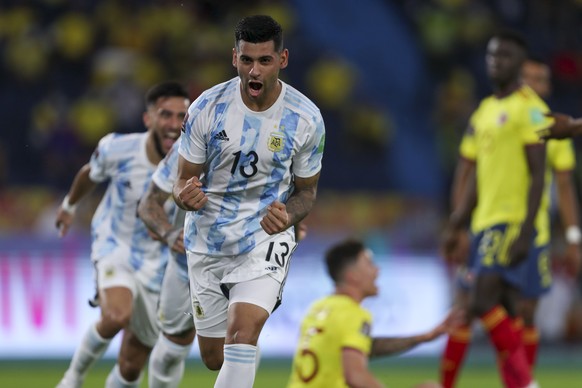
(396,82)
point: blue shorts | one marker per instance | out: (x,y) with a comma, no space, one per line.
(488,253)
(538,277)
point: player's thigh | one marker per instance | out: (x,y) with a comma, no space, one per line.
(175,309)
(117,288)
(144,322)
(208,301)
(251,303)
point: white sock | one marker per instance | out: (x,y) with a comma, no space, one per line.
(166,365)
(238,369)
(258,359)
(116,380)
(90,350)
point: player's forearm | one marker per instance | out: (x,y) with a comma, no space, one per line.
(151,211)
(387,346)
(566,199)
(461,215)
(178,187)
(300,204)
(533,203)
(81,186)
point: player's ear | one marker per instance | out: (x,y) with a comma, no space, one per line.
(284,59)
(234,57)
(146,119)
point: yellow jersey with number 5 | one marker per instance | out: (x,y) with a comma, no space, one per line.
(332,324)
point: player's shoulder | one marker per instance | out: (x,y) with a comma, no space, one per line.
(122,143)
(300,103)
(216,94)
(528,96)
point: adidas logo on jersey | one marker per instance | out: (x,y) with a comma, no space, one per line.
(221,135)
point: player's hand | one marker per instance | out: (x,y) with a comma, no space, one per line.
(455,246)
(192,196)
(454,319)
(300,231)
(175,240)
(562,128)
(276,219)
(573,260)
(63,221)
(519,250)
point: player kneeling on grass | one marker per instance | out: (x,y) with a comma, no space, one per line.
(335,341)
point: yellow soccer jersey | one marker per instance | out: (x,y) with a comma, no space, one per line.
(333,323)
(559,157)
(501,128)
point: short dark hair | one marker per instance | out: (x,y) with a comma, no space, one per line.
(342,255)
(512,36)
(259,29)
(165,89)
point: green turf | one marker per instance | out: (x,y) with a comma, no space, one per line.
(395,373)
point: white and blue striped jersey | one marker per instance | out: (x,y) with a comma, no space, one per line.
(116,228)
(164,177)
(250,159)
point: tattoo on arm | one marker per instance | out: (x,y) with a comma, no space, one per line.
(151,210)
(302,199)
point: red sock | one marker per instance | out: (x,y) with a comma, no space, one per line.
(454,355)
(531,340)
(518,327)
(513,364)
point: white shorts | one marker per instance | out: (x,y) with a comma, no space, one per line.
(256,277)
(175,310)
(114,271)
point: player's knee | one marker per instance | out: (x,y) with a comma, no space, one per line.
(244,334)
(212,360)
(117,319)
(527,312)
(129,369)
(478,308)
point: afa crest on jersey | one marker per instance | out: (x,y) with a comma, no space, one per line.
(276,142)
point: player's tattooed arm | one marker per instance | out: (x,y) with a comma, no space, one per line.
(151,211)
(281,216)
(302,199)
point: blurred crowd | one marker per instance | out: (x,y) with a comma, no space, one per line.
(74,71)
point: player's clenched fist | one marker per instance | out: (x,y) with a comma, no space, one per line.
(276,219)
(192,196)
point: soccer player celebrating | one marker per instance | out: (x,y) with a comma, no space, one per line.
(335,342)
(560,163)
(250,159)
(129,263)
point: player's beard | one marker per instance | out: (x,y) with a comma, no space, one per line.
(158,145)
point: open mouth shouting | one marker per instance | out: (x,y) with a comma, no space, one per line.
(168,140)
(255,88)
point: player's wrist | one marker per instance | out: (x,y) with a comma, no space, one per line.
(573,235)
(68,206)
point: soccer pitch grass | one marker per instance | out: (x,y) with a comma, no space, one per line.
(563,372)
